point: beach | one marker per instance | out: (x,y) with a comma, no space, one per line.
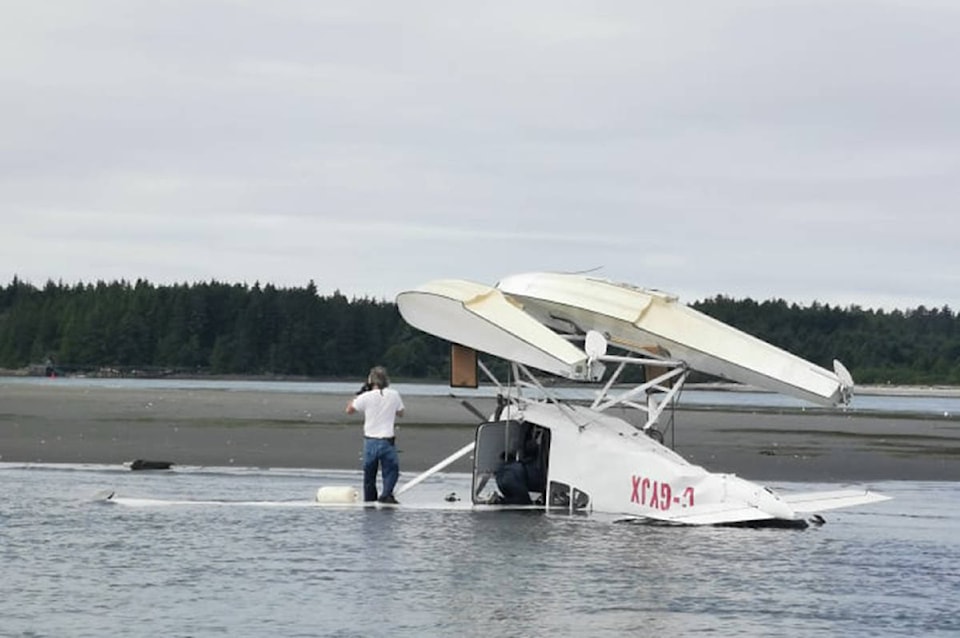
(62,423)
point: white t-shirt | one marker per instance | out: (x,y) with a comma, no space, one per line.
(379,409)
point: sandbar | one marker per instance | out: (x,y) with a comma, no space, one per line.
(63,423)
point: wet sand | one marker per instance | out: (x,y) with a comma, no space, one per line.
(59,423)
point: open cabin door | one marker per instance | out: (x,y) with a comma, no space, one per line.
(511,463)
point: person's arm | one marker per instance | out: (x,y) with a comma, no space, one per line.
(350,407)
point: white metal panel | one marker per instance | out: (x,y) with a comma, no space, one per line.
(480,317)
(722,513)
(639,320)
(821,501)
(640,477)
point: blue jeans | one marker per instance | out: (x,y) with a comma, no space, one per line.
(379,453)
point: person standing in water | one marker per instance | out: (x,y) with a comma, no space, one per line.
(381,405)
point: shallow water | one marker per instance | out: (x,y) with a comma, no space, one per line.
(210,552)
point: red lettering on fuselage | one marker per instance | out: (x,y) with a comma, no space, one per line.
(665,496)
(658,495)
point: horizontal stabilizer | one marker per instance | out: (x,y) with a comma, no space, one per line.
(820,501)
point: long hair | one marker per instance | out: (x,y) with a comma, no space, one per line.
(378,377)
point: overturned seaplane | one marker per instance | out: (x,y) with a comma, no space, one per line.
(572,456)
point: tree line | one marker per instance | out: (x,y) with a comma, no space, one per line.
(237,329)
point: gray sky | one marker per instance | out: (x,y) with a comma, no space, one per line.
(800,150)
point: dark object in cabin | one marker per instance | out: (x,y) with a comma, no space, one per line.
(141,464)
(511,479)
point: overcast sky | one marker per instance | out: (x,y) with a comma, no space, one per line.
(800,150)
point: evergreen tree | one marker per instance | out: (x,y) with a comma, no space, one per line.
(221,328)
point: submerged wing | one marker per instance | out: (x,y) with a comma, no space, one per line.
(737,512)
(719,514)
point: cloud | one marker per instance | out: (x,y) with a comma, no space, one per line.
(804,150)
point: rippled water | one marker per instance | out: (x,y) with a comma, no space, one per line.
(201,552)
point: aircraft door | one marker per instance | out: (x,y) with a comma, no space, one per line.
(516,455)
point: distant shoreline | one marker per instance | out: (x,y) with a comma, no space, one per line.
(921,390)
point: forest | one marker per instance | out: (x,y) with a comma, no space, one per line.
(216,328)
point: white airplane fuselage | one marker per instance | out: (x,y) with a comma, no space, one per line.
(591,460)
(624,472)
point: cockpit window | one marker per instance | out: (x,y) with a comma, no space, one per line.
(559,497)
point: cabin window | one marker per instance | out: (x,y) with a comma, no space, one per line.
(511,462)
(559,497)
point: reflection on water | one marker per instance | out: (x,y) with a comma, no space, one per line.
(282,566)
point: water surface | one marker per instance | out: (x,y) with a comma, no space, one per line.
(211,552)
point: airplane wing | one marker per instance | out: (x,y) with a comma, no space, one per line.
(721,513)
(718,514)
